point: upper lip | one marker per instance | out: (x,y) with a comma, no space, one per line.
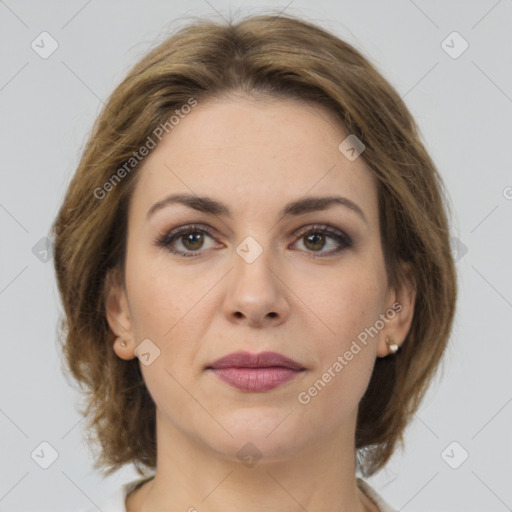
(249,360)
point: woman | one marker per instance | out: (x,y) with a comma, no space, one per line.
(253,258)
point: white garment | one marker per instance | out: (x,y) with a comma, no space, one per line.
(117,501)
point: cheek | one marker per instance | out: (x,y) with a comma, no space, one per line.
(171,308)
(153,305)
(345,360)
(353,300)
(159,297)
(350,308)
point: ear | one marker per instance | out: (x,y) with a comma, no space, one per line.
(399,312)
(118,314)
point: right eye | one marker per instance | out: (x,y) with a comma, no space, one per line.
(191,238)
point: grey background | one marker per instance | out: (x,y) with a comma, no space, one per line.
(463,106)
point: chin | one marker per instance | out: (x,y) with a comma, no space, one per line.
(261,434)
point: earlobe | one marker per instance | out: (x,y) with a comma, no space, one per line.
(392,346)
(118,314)
(123,348)
(401,313)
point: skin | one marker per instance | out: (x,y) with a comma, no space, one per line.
(254,155)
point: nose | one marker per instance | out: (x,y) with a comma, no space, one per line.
(256,295)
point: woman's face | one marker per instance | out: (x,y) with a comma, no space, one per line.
(257,266)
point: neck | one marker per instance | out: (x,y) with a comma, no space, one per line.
(192,477)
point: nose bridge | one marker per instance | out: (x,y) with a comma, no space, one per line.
(253,262)
(254,290)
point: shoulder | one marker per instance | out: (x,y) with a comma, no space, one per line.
(374,496)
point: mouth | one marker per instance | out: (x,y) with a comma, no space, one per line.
(255,372)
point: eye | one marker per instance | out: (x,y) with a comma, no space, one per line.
(187,240)
(317,238)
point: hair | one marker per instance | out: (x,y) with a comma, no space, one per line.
(275,56)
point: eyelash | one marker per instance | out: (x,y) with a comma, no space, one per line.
(165,241)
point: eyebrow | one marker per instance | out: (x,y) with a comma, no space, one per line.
(299,207)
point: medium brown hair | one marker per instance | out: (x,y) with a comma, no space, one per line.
(277,56)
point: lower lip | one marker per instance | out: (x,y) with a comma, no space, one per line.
(256,379)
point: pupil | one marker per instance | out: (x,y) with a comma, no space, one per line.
(317,241)
(193,241)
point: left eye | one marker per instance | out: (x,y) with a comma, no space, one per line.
(317,239)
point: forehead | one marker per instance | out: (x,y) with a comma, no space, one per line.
(247,151)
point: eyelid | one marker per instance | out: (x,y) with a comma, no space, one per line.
(342,238)
(339,235)
(165,238)
(320,227)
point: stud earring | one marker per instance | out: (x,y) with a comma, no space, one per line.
(393,347)
(123,343)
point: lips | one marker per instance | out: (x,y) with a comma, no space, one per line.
(261,360)
(255,372)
